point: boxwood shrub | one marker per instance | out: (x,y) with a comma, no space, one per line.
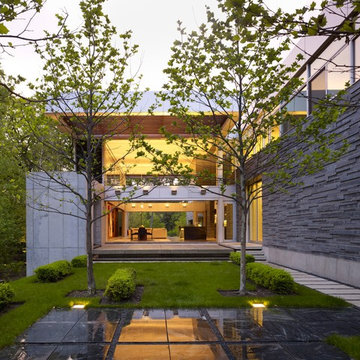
(79,261)
(277,280)
(54,271)
(121,285)
(7,294)
(235,257)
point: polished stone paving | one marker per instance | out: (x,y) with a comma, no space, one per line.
(204,334)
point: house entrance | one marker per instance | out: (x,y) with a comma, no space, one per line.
(161,221)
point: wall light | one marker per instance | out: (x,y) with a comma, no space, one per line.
(184,204)
(167,205)
(150,205)
(133,205)
(142,206)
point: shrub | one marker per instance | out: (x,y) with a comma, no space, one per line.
(236,256)
(277,280)
(79,261)
(121,285)
(54,271)
(7,294)
(11,270)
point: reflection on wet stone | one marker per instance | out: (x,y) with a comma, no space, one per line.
(259,352)
(80,352)
(144,352)
(145,326)
(197,352)
(257,334)
(188,326)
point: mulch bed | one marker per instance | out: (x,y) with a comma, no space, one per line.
(11,306)
(260,292)
(135,299)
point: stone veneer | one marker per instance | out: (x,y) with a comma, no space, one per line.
(316,227)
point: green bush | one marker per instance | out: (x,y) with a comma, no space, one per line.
(79,261)
(277,280)
(11,270)
(236,256)
(7,294)
(121,285)
(54,271)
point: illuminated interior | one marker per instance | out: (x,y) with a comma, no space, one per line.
(124,164)
(164,221)
(255,213)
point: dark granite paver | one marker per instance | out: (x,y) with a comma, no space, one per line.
(257,334)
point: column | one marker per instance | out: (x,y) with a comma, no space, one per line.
(125,223)
(220,221)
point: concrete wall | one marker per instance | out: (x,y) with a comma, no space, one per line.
(51,236)
(316,227)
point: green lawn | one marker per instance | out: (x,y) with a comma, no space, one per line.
(349,344)
(169,285)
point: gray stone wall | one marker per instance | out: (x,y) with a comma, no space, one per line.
(322,217)
(50,235)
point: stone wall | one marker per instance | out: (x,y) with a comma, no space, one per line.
(322,217)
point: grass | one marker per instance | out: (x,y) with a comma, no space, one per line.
(167,285)
(349,344)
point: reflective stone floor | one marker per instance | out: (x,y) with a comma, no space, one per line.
(257,334)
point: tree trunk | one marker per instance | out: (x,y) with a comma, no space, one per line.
(90,271)
(241,203)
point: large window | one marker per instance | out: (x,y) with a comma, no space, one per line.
(255,212)
(317,89)
(338,71)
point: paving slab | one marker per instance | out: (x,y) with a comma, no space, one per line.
(204,334)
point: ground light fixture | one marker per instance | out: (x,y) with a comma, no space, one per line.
(78,306)
(258,305)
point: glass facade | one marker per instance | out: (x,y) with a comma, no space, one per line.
(317,89)
(255,212)
(333,70)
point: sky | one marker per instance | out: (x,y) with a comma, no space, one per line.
(153,23)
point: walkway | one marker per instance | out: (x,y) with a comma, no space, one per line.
(329,287)
(206,334)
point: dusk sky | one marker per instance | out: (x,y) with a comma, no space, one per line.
(153,24)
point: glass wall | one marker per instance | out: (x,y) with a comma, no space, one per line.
(255,213)
(228,221)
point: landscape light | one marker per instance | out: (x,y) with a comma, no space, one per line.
(257,305)
(78,306)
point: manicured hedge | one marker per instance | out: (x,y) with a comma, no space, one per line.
(235,257)
(121,285)
(54,271)
(277,280)
(79,261)
(7,294)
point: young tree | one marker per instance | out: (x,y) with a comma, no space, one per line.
(86,76)
(235,70)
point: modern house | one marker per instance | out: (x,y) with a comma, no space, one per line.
(131,199)
(314,227)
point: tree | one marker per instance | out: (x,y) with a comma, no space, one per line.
(11,10)
(235,70)
(86,76)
